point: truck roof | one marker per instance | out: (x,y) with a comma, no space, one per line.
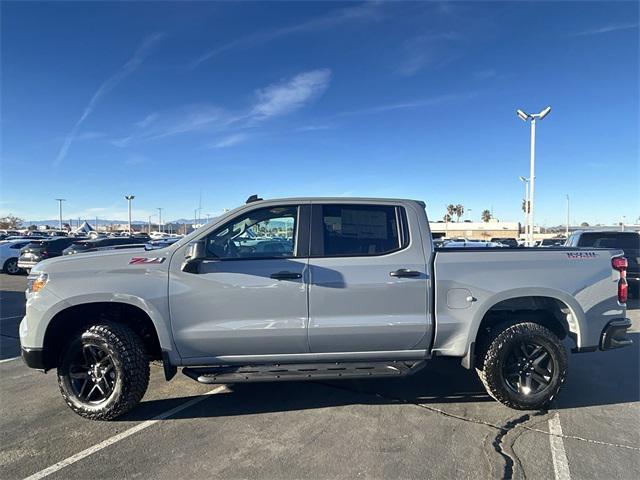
(339,199)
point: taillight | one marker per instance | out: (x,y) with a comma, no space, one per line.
(620,264)
(44,253)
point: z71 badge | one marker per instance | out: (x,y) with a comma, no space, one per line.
(145,260)
(581,255)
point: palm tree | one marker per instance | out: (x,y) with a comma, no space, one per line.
(447,217)
(451,210)
(459,211)
(486,215)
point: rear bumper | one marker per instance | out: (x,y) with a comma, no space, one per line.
(614,335)
(26,264)
(33,357)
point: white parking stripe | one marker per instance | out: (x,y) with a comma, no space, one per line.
(10,318)
(559,456)
(8,359)
(121,436)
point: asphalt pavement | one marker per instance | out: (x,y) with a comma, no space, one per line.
(438,423)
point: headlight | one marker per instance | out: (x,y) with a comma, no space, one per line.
(36,282)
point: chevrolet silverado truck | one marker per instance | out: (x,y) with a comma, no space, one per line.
(318,288)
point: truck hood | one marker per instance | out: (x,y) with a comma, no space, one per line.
(106,261)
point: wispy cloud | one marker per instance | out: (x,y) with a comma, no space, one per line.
(148,120)
(230,140)
(277,99)
(109,84)
(136,159)
(365,12)
(187,119)
(292,94)
(614,27)
(426,51)
(410,105)
(485,74)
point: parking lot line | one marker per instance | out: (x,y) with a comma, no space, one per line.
(11,317)
(558,454)
(121,436)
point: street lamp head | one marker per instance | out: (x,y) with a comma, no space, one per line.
(543,113)
(523,179)
(129,197)
(523,116)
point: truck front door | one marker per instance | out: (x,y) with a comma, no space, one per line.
(249,295)
(368,279)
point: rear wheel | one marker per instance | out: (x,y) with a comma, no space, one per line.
(523,365)
(104,372)
(11,266)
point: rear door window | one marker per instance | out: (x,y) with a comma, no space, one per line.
(361,230)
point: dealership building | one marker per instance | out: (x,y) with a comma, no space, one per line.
(475,230)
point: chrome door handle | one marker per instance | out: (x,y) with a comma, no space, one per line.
(404,273)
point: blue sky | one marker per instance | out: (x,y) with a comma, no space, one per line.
(167,100)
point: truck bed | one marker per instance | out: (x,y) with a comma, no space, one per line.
(471,282)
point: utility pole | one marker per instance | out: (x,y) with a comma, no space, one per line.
(568,211)
(129,198)
(525,180)
(160,218)
(60,200)
(532,174)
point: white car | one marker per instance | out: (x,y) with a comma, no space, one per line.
(9,253)
(472,244)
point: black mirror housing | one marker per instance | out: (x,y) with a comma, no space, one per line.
(193,256)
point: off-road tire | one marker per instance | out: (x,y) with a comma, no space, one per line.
(493,351)
(130,363)
(10,267)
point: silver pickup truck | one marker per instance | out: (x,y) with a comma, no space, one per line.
(318,288)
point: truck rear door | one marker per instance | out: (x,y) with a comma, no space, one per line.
(368,278)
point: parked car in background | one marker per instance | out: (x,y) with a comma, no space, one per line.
(98,243)
(9,253)
(472,244)
(629,242)
(161,243)
(38,250)
(509,242)
(550,242)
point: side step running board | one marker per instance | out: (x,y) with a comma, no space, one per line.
(298,372)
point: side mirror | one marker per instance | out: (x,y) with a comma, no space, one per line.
(193,256)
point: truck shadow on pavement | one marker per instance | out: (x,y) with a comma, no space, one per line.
(595,379)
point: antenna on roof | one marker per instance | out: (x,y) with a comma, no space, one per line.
(253,198)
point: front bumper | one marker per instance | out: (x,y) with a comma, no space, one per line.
(33,357)
(614,335)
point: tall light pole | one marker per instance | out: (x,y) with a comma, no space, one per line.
(160,218)
(532,174)
(128,198)
(60,200)
(150,216)
(525,180)
(568,211)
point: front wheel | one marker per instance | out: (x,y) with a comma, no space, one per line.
(523,366)
(11,266)
(104,372)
